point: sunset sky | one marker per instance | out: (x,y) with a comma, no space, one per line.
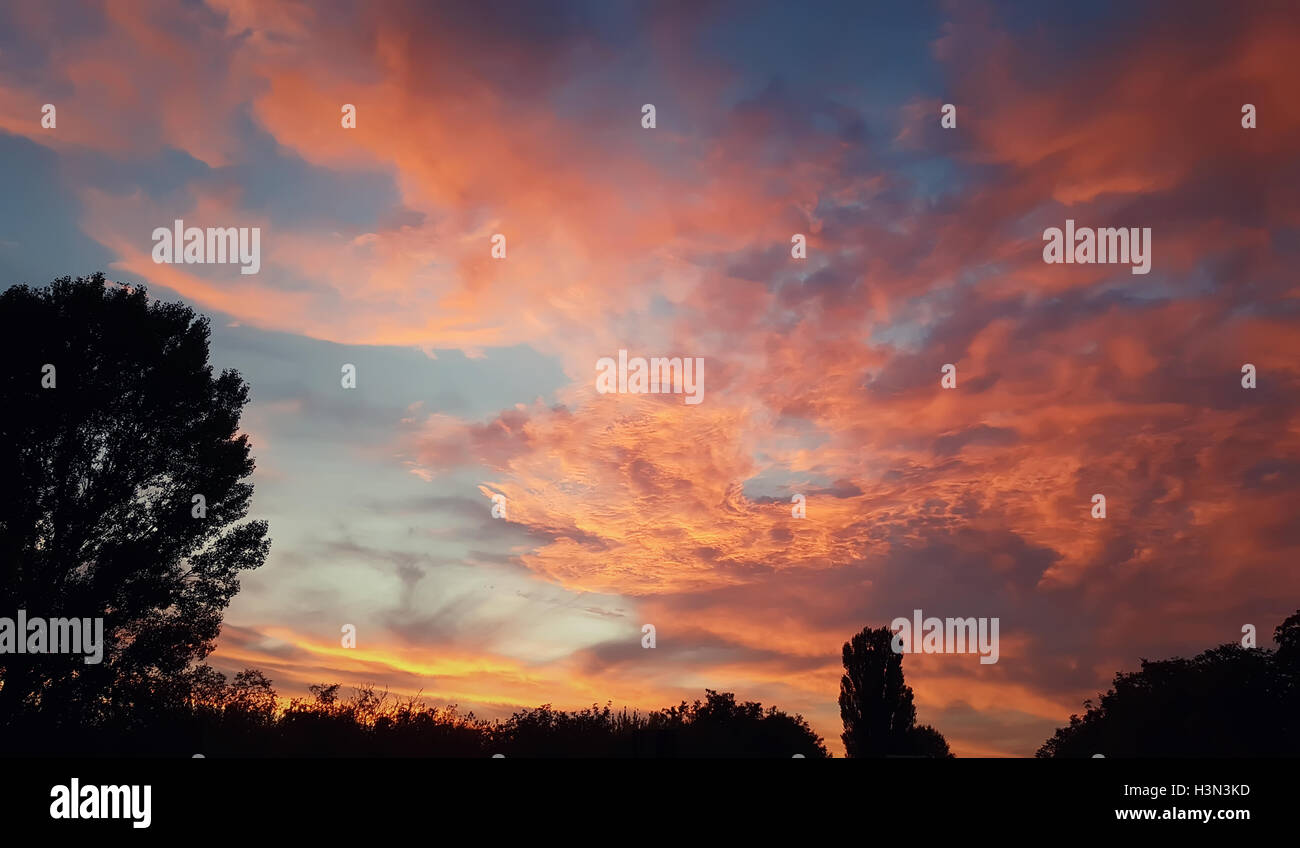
(476,375)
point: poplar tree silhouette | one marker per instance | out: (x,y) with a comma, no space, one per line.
(876,704)
(113,421)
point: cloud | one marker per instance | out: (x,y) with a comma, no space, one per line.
(822,375)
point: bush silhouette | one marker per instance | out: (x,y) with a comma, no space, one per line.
(239,718)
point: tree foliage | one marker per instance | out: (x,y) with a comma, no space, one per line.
(1229,701)
(876,704)
(113,421)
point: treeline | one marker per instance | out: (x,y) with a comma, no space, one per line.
(1229,701)
(242,718)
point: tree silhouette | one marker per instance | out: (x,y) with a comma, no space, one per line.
(114,426)
(1229,701)
(241,718)
(101,457)
(719,726)
(876,704)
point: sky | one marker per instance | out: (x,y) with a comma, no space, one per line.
(476,375)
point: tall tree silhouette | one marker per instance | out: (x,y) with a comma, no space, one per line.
(1229,701)
(113,422)
(876,704)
